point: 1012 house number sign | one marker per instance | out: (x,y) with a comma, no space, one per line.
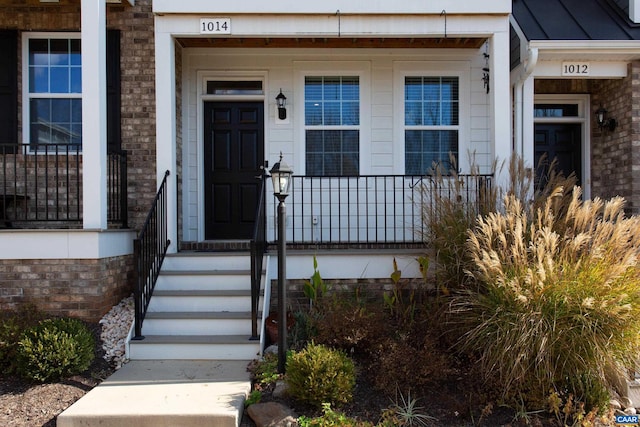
(576,68)
(215,26)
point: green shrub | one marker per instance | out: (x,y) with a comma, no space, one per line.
(558,297)
(331,418)
(12,324)
(54,349)
(319,374)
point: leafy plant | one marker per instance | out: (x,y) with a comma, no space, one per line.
(315,287)
(331,418)
(406,412)
(54,349)
(265,370)
(557,300)
(254,397)
(319,374)
(12,324)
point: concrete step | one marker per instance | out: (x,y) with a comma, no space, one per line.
(207,261)
(152,393)
(203,279)
(195,347)
(197,323)
(201,300)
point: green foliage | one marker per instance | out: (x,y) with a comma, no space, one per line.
(254,397)
(331,418)
(557,299)
(319,374)
(12,324)
(315,287)
(55,349)
(265,370)
(406,412)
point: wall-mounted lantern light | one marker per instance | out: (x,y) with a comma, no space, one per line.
(603,121)
(282,105)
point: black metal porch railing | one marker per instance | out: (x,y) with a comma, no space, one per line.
(381,209)
(149,250)
(41,185)
(258,246)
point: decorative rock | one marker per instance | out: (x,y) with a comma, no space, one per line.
(272,414)
(115,328)
(615,405)
(630,411)
(280,390)
(626,402)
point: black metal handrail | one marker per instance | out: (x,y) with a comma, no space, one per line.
(371,209)
(149,250)
(258,246)
(41,184)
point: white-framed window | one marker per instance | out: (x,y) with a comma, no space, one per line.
(333,102)
(433,122)
(332,125)
(52,94)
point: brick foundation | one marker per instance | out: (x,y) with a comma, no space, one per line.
(84,289)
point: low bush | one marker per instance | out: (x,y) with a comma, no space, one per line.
(319,374)
(55,349)
(558,297)
(12,324)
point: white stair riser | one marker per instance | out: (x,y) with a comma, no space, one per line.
(203,282)
(194,351)
(196,326)
(227,262)
(201,303)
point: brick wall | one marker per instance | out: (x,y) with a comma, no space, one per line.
(89,288)
(615,155)
(85,289)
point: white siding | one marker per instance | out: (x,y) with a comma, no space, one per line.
(381,148)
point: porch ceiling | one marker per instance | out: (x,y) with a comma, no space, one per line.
(380,43)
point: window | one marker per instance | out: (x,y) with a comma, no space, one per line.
(431,123)
(54,96)
(332,125)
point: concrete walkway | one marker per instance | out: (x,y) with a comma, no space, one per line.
(165,393)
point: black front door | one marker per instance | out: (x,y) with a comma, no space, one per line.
(233,154)
(562,142)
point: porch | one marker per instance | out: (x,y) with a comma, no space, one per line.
(41,186)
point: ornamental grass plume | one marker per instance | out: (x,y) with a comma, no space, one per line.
(557,297)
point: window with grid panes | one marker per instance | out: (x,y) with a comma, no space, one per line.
(431,123)
(54,76)
(332,125)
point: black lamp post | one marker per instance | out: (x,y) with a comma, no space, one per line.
(281,178)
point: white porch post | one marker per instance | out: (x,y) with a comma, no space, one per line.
(94,114)
(166,126)
(501,101)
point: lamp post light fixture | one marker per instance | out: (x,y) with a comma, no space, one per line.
(603,122)
(281,100)
(281,178)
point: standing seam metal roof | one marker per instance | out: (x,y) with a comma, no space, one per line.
(575,20)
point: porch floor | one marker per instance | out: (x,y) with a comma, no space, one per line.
(158,393)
